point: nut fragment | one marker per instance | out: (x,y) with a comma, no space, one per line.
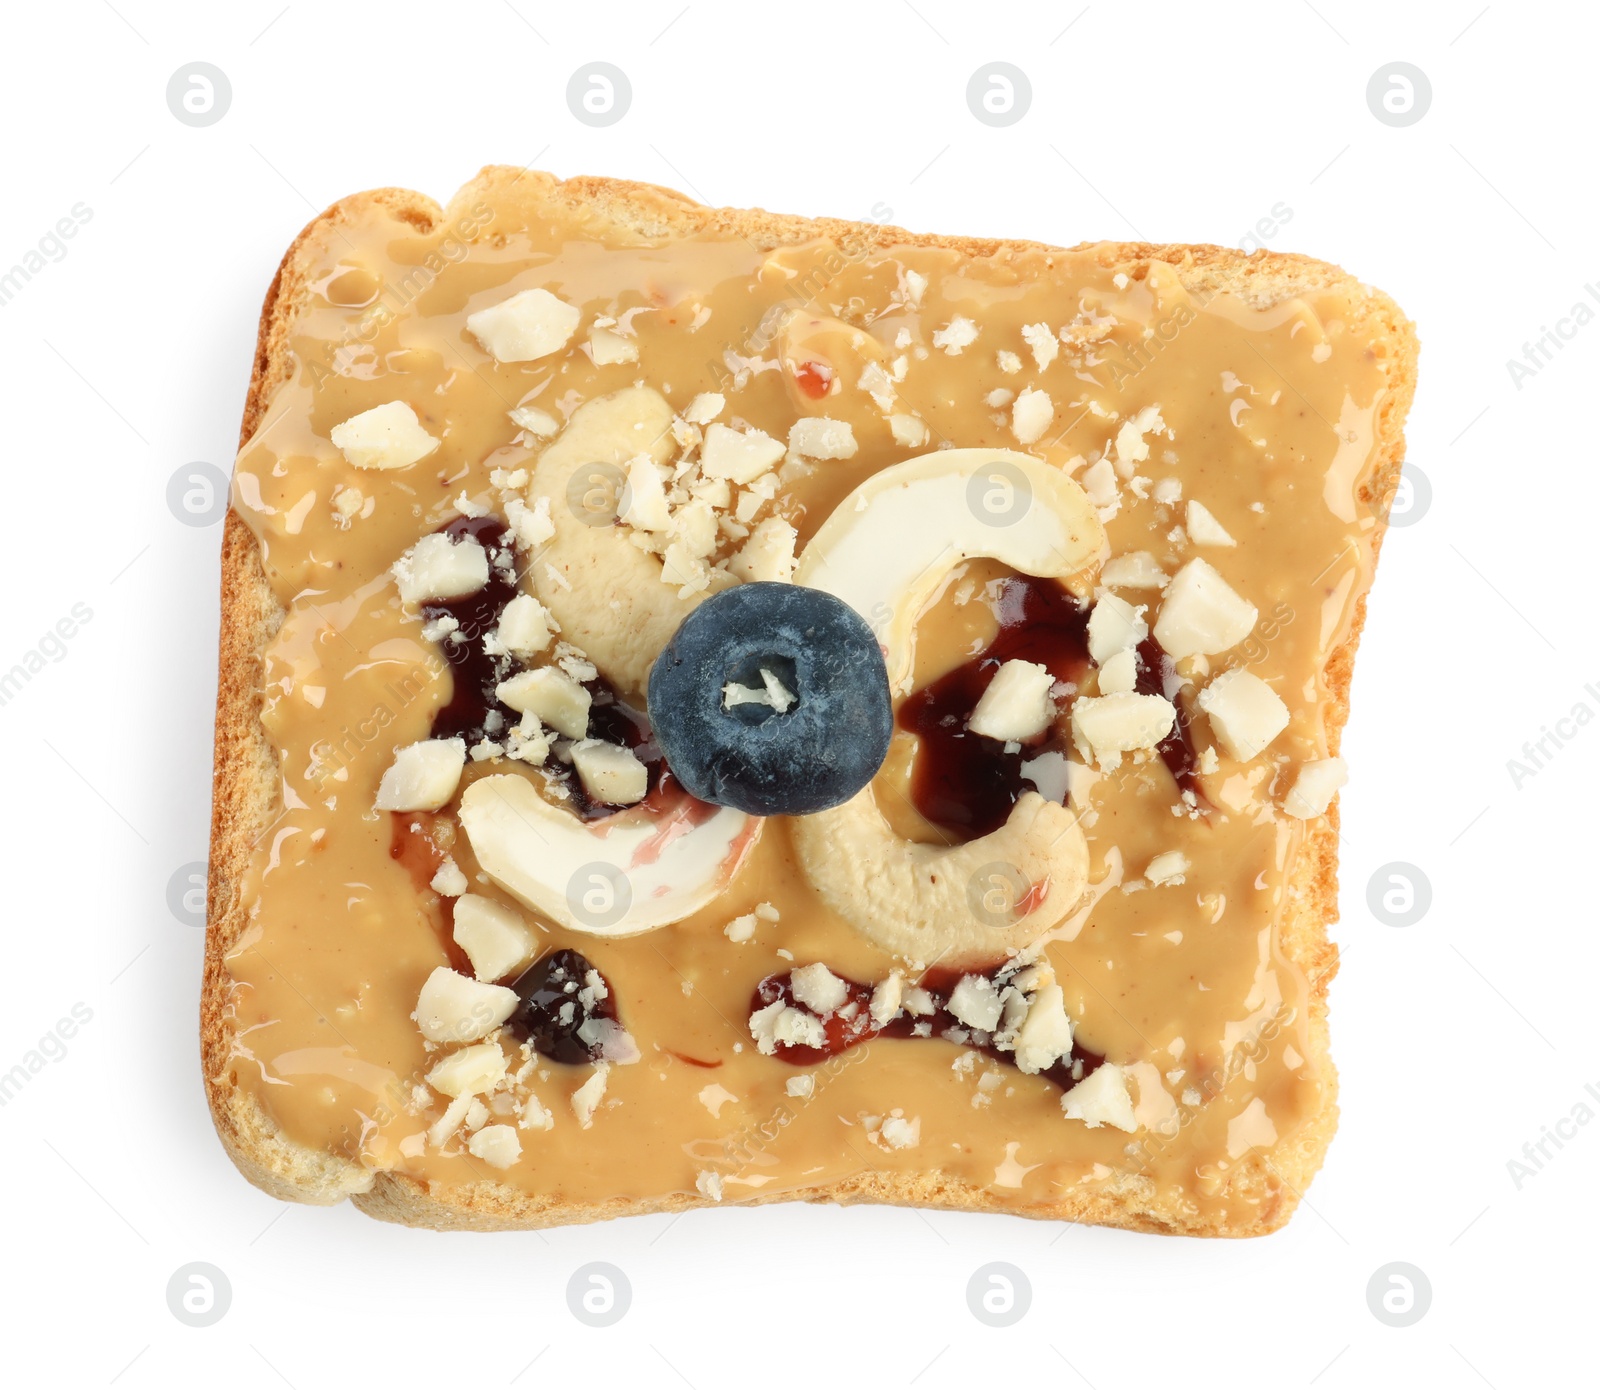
(1105,727)
(452,1008)
(610,773)
(423,776)
(1201,615)
(441,567)
(740,456)
(494,937)
(469,1072)
(1314,788)
(1016,704)
(1245,712)
(525,327)
(550,694)
(387,436)
(1101,1098)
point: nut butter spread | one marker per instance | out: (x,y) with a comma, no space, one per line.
(1223,456)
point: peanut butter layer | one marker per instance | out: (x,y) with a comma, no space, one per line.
(1268,419)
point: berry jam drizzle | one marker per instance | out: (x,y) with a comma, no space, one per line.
(840,1034)
(965,782)
(553,1009)
(472,698)
(1158,676)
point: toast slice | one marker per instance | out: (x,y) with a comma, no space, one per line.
(1228,420)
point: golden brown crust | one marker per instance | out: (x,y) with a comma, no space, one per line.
(245,782)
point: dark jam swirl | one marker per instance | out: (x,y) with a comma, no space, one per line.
(473,712)
(558,1000)
(849,1026)
(967,783)
(1158,676)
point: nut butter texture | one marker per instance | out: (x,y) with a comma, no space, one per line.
(1272,417)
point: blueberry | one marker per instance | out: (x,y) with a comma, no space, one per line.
(767,756)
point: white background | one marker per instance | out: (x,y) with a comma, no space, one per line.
(1458,1038)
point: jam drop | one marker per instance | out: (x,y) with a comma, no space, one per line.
(814,379)
(852,1023)
(965,782)
(554,1009)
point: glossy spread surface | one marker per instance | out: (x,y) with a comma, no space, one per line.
(1271,417)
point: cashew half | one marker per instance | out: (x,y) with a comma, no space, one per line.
(961,904)
(629,873)
(884,550)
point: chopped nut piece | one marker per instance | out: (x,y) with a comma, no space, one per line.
(781,1025)
(1135,570)
(818,437)
(535,421)
(469,1072)
(437,567)
(525,627)
(1131,447)
(448,881)
(610,773)
(552,695)
(644,499)
(1245,712)
(900,1133)
(495,938)
(423,775)
(768,554)
(1045,1036)
(607,348)
(694,527)
(1313,789)
(1168,868)
(1105,727)
(818,988)
(452,1008)
(1016,704)
(1201,615)
(1031,415)
(1205,529)
(525,327)
(705,408)
(496,1145)
(955,335)
(1100,483)
(1101,1099)
(909,432)
(1115,626)
(976,1002)
(1119,673)
(387,436)
(1039,337)
(886,999)
(586,1099)
(739,456)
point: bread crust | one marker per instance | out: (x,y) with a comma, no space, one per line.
(245,778)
